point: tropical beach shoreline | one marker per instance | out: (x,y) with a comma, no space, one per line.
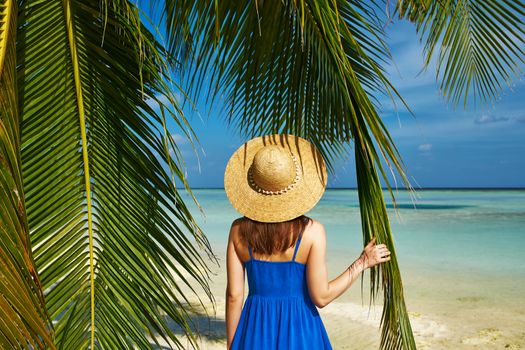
(458,318)
(464,284)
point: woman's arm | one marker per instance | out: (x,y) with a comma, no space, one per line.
(323,292)
(235,286)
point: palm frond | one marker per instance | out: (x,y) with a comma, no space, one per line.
(278,62)
(479,45)
(24,321)
(308,68)
(396,332)
(111,234)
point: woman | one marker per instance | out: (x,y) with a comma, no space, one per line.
(273,181)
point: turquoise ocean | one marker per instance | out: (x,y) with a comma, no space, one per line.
(461,254)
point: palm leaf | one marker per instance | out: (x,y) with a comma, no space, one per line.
(307,68)
(479,45)
(277,61)
(24,322)
(111,235)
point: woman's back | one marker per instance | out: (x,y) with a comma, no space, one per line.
(278,312)
(276,278)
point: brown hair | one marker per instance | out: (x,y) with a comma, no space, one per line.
(271,237)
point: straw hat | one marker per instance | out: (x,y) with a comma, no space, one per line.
(275,178)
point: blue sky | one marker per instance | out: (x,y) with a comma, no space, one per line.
(442,146)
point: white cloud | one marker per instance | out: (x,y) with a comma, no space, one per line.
(163,99)
(425,147)
(154,104)
(487,119)
(179,139)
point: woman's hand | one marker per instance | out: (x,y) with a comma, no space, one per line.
(374,254)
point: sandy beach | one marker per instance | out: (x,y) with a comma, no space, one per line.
(462,316)
(463,281)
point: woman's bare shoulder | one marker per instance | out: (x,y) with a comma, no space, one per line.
(239,245)
(234,229)
(315,231)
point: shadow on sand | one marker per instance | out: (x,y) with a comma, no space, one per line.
(207,328)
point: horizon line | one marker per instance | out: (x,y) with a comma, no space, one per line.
(400,189)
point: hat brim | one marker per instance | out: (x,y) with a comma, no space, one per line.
(276,207)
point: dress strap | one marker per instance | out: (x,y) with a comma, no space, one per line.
(297,246)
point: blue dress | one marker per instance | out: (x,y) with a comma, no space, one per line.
(278,312)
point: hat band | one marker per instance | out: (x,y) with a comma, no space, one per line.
(281,191)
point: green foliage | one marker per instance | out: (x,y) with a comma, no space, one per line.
(24,322)
(109,230)
(479,44)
